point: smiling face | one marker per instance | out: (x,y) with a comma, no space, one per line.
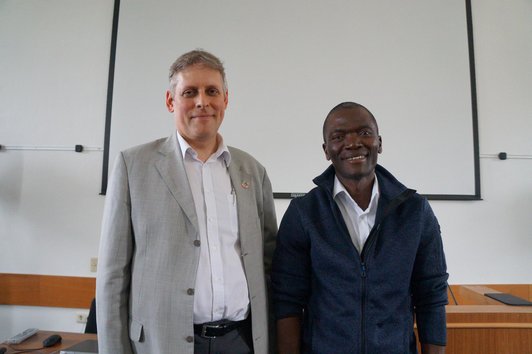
(198,104)
(352,143)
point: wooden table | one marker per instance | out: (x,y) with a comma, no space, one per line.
(35,341)
(478,324)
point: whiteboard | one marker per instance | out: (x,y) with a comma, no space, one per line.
(289,62)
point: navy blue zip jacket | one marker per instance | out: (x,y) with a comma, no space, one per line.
(361,303)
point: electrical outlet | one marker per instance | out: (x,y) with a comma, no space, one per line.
(81,318)
(94,264)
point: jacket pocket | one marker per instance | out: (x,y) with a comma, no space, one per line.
(136,332)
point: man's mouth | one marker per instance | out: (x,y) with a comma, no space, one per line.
(355,158)
(203,116)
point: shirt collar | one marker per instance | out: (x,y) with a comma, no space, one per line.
(222,150)
(339,189)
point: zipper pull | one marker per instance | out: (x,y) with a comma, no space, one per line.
(363,266)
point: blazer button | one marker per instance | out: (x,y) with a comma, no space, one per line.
(190,339)
(190,291)
(197,243)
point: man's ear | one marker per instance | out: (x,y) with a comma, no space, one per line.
(226,98)
(325,151)
(169,100)
(380,144)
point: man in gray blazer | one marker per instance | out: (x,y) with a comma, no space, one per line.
(188,231)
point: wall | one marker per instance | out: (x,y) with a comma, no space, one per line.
(50,220)
(490,241)
(53,84)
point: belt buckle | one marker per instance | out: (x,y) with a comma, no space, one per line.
(204,330)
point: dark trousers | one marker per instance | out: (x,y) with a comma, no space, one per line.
(238,341)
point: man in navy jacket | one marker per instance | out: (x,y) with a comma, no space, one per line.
(360,256)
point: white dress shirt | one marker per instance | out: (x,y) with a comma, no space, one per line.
(359,222)
(221,290)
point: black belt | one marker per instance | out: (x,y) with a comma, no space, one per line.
(218,328)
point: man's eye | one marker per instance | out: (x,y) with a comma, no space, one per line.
(337,137)
(212,92)
(188,93)
(365,133)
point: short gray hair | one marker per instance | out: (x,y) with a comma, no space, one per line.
(195,57)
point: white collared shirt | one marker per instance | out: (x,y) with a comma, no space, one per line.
(221,290)
(359,222)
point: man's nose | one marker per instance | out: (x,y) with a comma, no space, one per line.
(202,100)
(352,140)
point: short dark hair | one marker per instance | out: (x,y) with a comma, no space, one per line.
(195,57)
(347,105)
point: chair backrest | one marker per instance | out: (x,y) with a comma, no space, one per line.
(90,327)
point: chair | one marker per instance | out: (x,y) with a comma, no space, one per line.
(90,327)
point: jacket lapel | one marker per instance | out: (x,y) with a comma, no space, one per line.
(244,190)
(172,170)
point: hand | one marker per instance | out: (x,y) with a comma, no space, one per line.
(289,335)
(432,349)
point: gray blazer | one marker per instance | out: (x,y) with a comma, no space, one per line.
(149,250)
